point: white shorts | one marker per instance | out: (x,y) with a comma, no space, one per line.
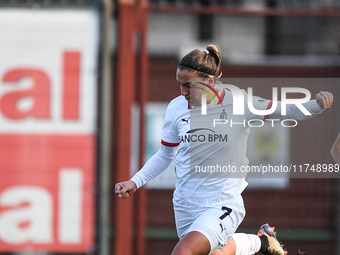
(214,223)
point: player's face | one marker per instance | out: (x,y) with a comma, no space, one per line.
(191,87)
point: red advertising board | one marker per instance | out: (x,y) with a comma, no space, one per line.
(47,130)
(46,192)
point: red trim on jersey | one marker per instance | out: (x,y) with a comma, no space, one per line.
(222,96)
(220,99)
(213,90)
(251,244)
(169,144)
(268,107)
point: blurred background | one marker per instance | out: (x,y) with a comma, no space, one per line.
(83,92)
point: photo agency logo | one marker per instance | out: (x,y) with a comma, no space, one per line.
(238,104)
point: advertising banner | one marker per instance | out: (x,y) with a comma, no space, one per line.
(47,129)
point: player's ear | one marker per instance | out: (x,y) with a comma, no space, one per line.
(211,80)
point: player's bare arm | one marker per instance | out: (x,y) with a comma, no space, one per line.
(125,189)
(324,99)
(335,152)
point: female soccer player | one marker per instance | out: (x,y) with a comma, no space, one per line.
(209,210)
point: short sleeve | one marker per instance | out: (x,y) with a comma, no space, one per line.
(170,131)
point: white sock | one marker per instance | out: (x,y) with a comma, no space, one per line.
(246,244)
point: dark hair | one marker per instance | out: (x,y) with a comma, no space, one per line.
(204,63)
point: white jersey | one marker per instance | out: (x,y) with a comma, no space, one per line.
(206,142)
(217,139)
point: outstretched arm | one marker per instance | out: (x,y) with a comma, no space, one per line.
(322,101)
(335,152)
(155,165)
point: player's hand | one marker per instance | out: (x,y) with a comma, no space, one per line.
(125,189)
(324,99)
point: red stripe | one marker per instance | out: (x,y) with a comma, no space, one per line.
(268,107)
(211,88)
(169,144)
(251,244)
(222,96)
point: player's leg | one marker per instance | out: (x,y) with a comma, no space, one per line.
(206,230)
(248,244)
(228,249)
(193,243)
(207,234)
(192,235)
(203,237)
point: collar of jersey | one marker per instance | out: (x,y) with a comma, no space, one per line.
(211,102)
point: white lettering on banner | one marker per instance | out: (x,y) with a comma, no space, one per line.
(31,218)
(70,203)
(37,216)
